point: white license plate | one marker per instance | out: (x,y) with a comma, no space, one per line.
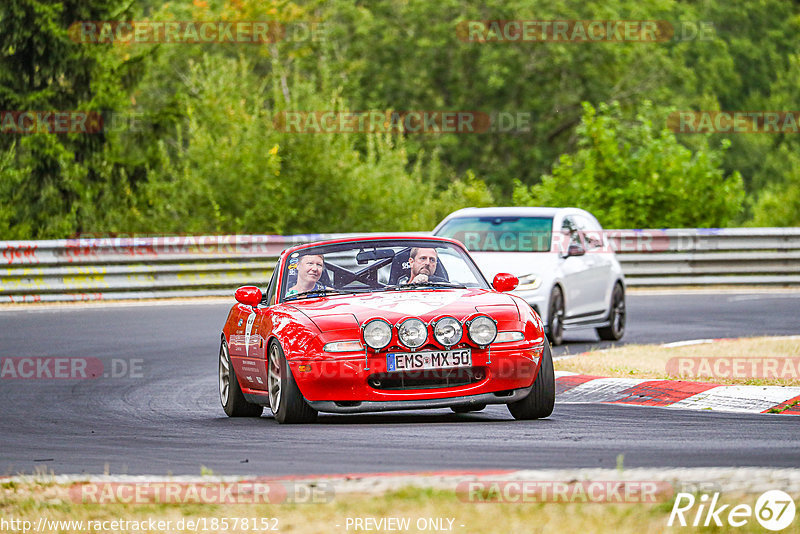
(439,359)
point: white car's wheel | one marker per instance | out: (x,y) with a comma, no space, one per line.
(616,318)
(555,317)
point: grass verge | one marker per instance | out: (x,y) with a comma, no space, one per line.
(759,361)
(423,509)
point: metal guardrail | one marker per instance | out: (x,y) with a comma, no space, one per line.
(89,269)
(180,266)
(695,257)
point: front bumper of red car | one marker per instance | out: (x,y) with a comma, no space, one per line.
(363,382)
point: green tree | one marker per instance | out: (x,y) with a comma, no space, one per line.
(50,181)
(225,167)
(412,55)
(778,204)
(761,40)
(634,175)
(206,156)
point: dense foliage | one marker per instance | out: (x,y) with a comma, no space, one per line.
(193,142)
(637,175)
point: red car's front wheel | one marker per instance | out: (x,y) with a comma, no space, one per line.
(539,403)
(285,399)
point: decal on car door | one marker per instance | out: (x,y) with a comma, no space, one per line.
(248,329)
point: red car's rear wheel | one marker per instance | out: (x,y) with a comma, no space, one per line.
(230,394)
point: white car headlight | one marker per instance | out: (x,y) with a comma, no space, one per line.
(482,330)
(412,333)
(377,333)
(447,331)
(529,282)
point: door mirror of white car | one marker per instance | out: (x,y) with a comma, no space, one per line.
(575,250)
(505,282)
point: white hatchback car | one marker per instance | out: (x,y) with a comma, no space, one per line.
(567,270)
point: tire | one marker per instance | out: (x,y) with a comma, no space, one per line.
(468,408)
(285,399)
(555,317)
(230,393)
(539,403)
(616,317)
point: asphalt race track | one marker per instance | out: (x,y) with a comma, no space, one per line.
(162,415)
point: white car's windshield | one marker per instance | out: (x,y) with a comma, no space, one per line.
(501,234)
(377,265)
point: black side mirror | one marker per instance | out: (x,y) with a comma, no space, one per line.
(575,250)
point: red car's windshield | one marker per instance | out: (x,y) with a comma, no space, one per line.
(377,265)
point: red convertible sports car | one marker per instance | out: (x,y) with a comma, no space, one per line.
(382,323)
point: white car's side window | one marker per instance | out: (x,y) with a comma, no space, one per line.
(570,228)
(592,234)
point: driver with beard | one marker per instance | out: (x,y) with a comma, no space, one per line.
(423,264)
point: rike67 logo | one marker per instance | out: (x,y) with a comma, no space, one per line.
(774,510)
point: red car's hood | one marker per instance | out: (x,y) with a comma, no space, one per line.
(332,312)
